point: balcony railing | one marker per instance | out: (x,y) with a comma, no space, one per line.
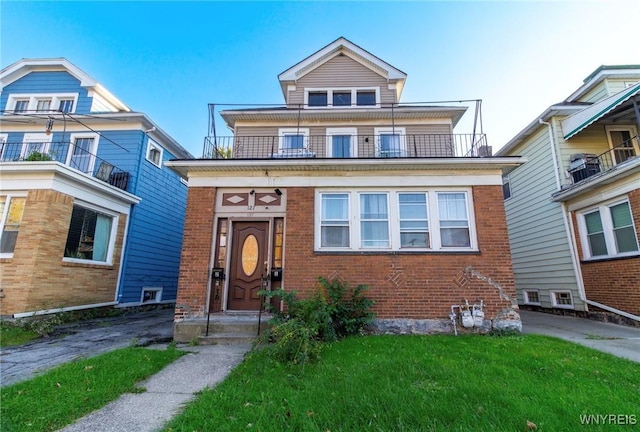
(68,154)
(585,165)
(346,146)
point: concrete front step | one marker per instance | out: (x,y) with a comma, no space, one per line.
(227,339)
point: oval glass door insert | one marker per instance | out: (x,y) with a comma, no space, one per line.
(250,255)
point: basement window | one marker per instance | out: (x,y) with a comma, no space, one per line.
(151,295)
(532,297)
(562,299)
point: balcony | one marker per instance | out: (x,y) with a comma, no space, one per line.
(385,146)
(584,166)
(68,154)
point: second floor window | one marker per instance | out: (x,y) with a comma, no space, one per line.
(21,106)
(81,154)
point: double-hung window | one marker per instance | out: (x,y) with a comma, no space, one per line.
(608,231)
(293,142)
(454,219)
(394,220)
(11,210)
(334,221)
(414,221)
(91,235)
(154,153)
(374,220)
(623,141)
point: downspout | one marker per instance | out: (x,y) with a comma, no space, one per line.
(565,217)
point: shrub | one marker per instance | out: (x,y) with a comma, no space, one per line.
(334,311)
(38,156)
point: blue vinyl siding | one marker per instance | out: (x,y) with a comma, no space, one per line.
(154,235)
(48,82)
(155,232)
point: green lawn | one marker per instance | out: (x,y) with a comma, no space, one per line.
(68,392)
(425,383)
(12,334)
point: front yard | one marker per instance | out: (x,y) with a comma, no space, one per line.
(427,383)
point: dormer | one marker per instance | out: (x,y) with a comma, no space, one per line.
(342,75)
(606,81)
(52,86)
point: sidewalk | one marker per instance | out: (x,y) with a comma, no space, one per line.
(619,340)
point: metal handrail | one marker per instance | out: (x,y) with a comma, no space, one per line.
(348,146)
(69,154)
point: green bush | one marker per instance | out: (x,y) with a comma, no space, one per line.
(38,156)
(334,311)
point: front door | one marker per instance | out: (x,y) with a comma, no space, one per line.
(248,258)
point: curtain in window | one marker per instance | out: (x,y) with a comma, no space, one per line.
(101,239)
(335,220)
(341,146)
(293,142)
(390,145)
(374,220)
(454,223)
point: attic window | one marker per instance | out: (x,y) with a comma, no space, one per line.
(318,98)
(366,97)
(342,98)
(154,153)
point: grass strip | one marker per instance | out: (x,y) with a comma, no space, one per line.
(70,391)
(12,334)
(425,383)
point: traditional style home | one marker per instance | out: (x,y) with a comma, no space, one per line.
(345,181)
(90,216)
(573,210)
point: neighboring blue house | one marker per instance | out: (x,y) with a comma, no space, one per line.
(89,214)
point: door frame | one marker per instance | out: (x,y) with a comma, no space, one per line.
(225,285)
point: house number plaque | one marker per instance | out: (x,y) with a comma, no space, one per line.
(250,255)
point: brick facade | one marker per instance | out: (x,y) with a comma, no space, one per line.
(404,285)
(36,277)
(614,282)
(196,253)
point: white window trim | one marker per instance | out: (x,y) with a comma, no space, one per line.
(354,97)
(529,301)
(5,213)
(93,150)
(394,220)
(157,298)
(112,236)
(152,145)
(35,97)
(607,228)
(31,138)
(388,131)
(282,132)
(4,138)
(353,132)
(506,180)
(554,300)
(626,128)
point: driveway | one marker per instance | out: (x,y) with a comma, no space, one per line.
(85,339)
(619,340)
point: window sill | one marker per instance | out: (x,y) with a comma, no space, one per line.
(95,265)
(397,252)
(610,258)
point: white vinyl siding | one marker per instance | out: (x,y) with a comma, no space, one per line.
(540,248)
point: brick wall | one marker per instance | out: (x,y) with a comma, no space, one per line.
(614,282)
(36,278)
(406,285)
(196,253)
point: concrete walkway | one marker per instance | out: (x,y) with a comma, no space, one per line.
(619,340)
(167,392)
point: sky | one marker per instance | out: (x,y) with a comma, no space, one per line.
(171,59)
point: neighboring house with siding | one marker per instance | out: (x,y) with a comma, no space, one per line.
(90,216)
(345,181)
(573,209)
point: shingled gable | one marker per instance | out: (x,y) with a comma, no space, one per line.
(353,51)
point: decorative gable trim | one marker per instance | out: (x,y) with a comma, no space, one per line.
(342,46)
